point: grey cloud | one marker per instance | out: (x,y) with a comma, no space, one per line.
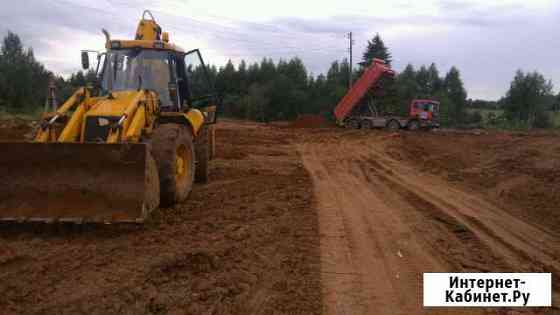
(488,43)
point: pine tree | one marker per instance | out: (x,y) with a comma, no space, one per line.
(434,82)
(457,94)
(23,80)
(376,49)
(407,88)
(423,80)
(241,77)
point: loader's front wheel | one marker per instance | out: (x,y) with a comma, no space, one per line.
(175,156)
(152,190)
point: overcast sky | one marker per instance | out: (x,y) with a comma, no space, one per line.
(487,40)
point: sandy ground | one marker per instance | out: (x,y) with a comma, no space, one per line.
(307,221)
(246,243)
(383,221)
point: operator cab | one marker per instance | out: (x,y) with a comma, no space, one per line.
(425,110)
(180,79)
(151,62)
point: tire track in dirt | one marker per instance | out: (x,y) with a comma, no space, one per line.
(371,261)
(392,224)
(521,244)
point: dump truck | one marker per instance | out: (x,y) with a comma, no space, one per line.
(358,109)
(138,138)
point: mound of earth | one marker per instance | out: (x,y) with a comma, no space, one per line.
(311,121)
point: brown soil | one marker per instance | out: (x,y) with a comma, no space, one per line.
(391,208)
(16,129)
(517,171)
(246,243)
(311,121)
(304,221)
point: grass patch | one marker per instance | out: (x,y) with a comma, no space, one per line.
(556,119)
(28,114)
(486,113)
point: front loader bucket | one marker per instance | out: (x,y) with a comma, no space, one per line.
(76,182)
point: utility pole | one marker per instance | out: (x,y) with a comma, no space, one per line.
(50,101)
(351,42)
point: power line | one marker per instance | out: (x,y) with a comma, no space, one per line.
(351,43)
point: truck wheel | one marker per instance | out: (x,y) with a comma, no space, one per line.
(393,125)
(413,125)
(202,147)
(366,124)
(354,124)
(173,150)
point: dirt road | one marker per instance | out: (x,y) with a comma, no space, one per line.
(383,223)
(306,221)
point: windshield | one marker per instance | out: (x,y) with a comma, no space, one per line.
(129,69)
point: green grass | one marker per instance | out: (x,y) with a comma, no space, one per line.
(486,112)
(33,114)
(556,119)
(498,112)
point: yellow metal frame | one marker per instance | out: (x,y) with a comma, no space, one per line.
(137,111)
(193,118)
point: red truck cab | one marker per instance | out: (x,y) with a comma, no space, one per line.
(426,112)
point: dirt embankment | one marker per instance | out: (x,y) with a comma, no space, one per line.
(246,243)
(520,172)
(311,121)
(395,205)
(16,129)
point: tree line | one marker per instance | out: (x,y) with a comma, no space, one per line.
(283,90)
(267,91)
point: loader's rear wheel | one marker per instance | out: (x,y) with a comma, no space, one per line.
(202,155)
(174,153)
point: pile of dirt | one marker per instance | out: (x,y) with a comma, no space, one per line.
(519,171)
(311,121)
(16,129)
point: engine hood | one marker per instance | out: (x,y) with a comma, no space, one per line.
(114,105)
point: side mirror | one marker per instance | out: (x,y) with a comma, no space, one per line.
(85,60)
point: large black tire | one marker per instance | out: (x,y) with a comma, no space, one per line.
(413,125)
(202,146)
(152,189)
(367,124)
(393,125)
(353,124)
(173,150)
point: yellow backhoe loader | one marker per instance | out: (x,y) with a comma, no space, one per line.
(116,150)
